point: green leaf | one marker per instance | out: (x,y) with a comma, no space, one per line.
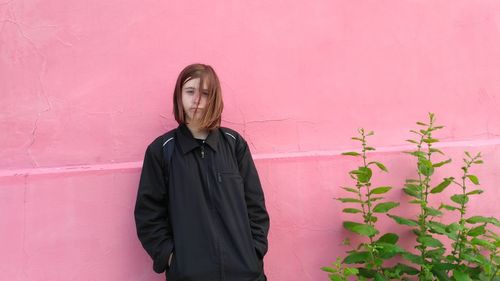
(368,273)
(437,227)
(476,231)
(385,207)
(441,163)
(432,149)
(412,141)
(379,165)
(437,128)
(349,200)
(357,257)
(351,210)
(478,162)
(453,227)
(361,229)
(389,238)
(351,153)
(380,190)
(480,219)
(430,140)
(448,207)
(412,181)
(400,220)
(380,277)
(363,174)
(473,179)
(350,189)
(388,250)
(358,139)
(350,271)
(496,259)
(336,277)
(477,191)
(460,275)
(440,270)
(422,124)
(425,167)
(440,187)
(403,268)
(452,231)
(369,148)
(433,212)
(483,243)
(471,257)
(435,254)
(413,190)
(413,258)
(429,241)
(416,153)
(373,199)
(460,199)
(328,269)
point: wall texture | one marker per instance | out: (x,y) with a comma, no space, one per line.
(86,85)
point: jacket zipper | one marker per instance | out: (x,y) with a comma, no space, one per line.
(207,179)
(219,178)
(203,150)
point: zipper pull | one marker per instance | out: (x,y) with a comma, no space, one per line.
(203,152)
(219,177)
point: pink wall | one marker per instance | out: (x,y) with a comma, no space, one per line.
(86,85)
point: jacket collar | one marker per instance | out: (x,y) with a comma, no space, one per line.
(188,142)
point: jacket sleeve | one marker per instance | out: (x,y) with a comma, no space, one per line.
(151,210)
(254,197)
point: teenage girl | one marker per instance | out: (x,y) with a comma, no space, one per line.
(200,212)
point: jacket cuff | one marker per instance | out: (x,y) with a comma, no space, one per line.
(160,262)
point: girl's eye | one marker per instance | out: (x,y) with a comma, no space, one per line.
(205,93)
(190,91)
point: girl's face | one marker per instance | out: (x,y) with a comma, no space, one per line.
(194,100)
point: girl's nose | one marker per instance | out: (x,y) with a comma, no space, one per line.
(196,98)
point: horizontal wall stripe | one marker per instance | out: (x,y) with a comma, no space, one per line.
(257,157)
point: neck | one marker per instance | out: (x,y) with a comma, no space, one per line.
(197,132)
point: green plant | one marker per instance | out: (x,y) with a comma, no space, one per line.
(431,250)
(339,272)
(474,247)
(370,254)
(474,251)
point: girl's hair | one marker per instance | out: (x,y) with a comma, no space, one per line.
(211,118)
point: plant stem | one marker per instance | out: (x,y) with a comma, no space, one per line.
(460,243)
(367,215)
(424,184)
(492,255)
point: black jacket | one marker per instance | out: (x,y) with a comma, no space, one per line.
(206,207)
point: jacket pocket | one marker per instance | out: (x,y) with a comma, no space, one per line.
(223,176)
(231,190)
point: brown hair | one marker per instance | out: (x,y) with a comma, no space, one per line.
(212,116)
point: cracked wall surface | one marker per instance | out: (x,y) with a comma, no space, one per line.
(86,85)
